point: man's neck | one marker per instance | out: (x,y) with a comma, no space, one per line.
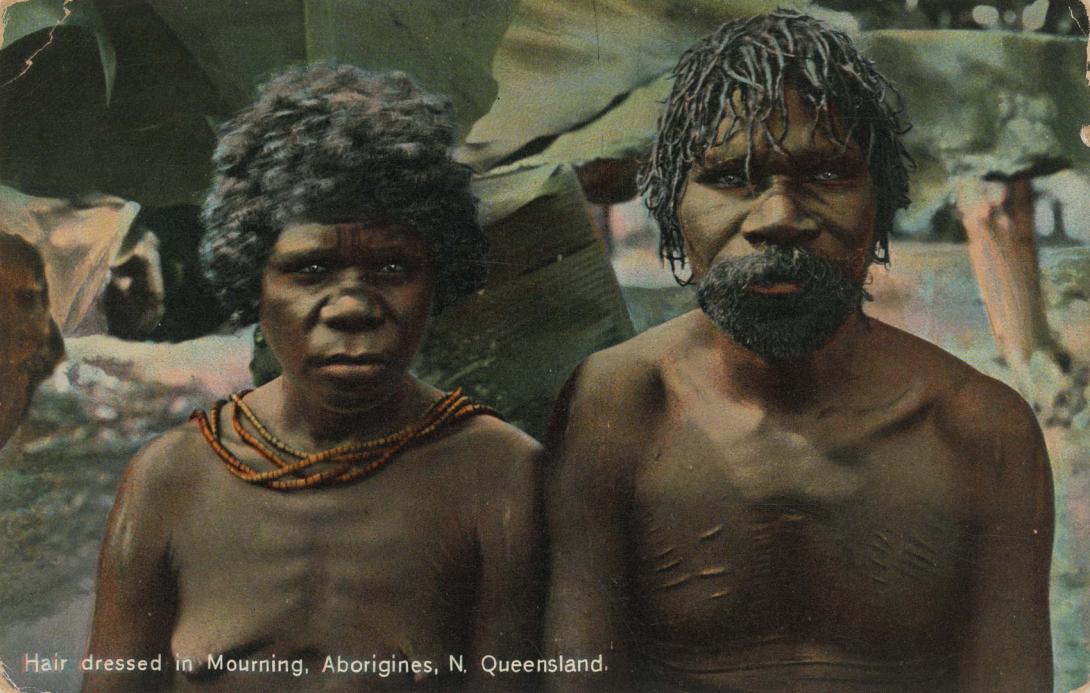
(793,384)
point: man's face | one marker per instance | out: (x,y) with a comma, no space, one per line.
(30,343)
(781,256)
(344,308)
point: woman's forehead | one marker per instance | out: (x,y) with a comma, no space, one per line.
(349,237)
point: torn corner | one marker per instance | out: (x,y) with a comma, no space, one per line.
(6,5)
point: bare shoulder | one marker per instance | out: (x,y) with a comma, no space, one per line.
(608,408)
(625,380)
(999,439)
(155,491)
(983,410)
(501,453)
(165,472)
(973,410)
(489,433)
(491,462)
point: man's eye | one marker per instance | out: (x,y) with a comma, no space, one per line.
(393,268)
(826,176)
(727,177)
(312,268)
(727,180)
(28,299)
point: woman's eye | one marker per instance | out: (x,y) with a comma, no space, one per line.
(312,268)
(393,268)
(826,176)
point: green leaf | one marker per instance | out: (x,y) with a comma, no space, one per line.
(447,45)
(108,56)
(25,17)
(625,131)
(238,44)
(563,62)
(1017,98)
(551,300)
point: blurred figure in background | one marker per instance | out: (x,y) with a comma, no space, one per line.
(30,343)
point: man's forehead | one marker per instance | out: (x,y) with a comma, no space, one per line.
(796,127)
(735,151)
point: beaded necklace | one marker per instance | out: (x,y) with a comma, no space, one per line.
(352,461)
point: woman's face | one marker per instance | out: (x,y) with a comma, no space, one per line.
(344,308)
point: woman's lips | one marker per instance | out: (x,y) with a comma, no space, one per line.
(344,367)
(776,288)
(351,371)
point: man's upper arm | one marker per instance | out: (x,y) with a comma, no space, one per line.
(135,597)
(587,500)
(1008,645)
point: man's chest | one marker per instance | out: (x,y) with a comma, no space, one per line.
(755,530)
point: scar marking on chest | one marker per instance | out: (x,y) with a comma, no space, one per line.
(711,533)
(908,558)
(671,584)
(668,566)
(920,558)
(664,552)
(704,573)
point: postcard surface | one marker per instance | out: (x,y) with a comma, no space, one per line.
(733,532)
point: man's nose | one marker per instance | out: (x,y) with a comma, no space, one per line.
(352,309)
(778,218)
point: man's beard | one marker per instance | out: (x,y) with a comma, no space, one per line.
(786,326)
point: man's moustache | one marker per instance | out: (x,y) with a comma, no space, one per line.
(775,264)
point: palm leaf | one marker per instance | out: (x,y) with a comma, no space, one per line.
(446,44)
(565,62)
(26,17)
(1017,97)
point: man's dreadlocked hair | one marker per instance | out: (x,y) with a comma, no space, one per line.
(754,60)
(330,143)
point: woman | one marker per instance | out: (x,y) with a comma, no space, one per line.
(344,526)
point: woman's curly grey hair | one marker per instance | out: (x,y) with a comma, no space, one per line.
(753,60)
(331,143)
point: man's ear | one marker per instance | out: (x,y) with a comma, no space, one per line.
(688,272)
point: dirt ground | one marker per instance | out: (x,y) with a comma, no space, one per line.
(59,475)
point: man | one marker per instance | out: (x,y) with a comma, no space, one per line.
(30,343)
(345,526)
(776,492)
